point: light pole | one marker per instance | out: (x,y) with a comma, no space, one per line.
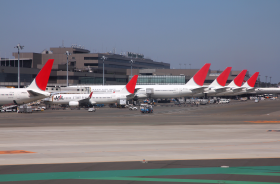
(18,47)
(131,61)
(180,65)
(185,65)
(270,82)
(67,54)
(103,58)
(190,65)
(266,81)
(259,80)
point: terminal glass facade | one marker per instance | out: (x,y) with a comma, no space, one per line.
(161,80)
(99,80)
(13,77)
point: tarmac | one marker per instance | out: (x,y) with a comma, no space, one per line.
(237,142)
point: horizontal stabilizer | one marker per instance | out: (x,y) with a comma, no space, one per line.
(235,90)
(198,90)
(220,90)
(37,93)
(250,90)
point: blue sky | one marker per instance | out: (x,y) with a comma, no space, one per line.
(244,34)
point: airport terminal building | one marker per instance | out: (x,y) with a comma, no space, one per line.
(87,68)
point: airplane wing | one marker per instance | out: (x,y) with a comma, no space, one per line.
(250,90)
(9,106)
(87,100)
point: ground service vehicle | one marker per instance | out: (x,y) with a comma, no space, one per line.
(91,110)
(144,108)
(223,101)
(132,108)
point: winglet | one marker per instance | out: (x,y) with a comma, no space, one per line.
(240,77)
(200,76)
(252,81)
(222,78)
(130,86)
(90,95)
(41,80)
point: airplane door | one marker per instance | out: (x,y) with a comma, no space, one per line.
(180,90)
(18,94)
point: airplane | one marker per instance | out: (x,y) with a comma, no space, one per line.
(249,85)
(74,100)
(262,90)
(35,91)
(235,86)
(217,86)
(192,87)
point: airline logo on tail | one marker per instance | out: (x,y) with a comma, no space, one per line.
(130,86)
(240,77)
(41,80)
(222,78)
(238,80)
(252,81)
(198,79)
(200,76)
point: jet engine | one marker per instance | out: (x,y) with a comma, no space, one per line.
(91,101)
(73,103)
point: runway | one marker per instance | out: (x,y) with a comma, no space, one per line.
(240,135)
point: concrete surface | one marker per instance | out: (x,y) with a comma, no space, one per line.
(239,130)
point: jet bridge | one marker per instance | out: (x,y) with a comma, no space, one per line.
(149,92)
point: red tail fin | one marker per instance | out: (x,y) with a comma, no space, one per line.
(43,76)
(130,86)
(252,81)
(200,76)
(222,78)
(239,79)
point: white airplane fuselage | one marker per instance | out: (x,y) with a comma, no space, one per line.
(265,90)
(109,94)
(155,91)
(107,98)
(16,96)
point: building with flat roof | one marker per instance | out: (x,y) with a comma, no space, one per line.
(87,68)
(82,66)
(176,76)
